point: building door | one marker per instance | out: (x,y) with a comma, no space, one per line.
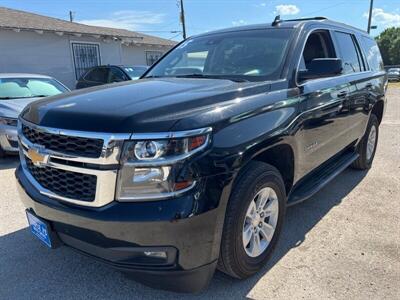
(86,56)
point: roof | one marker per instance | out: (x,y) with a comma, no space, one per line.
(23,75)
(287,24)
(21,20)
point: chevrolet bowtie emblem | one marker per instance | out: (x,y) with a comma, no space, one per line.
(37,158)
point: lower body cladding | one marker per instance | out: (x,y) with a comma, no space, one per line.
(9,139)
(142,239)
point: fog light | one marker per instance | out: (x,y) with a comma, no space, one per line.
(159,254)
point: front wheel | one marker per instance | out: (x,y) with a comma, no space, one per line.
(367,146)
(253,220)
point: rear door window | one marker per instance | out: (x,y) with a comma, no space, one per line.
(373,54)
(348,51)
(97,75)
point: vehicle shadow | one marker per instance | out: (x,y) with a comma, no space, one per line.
(9,162)
(28,268)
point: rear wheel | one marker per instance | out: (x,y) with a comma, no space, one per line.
(253,221)
(367,146)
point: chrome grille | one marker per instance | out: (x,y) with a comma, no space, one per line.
(65,173)
(64,183)
(72,145)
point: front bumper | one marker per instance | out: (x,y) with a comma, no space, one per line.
(120,233)
(9,138)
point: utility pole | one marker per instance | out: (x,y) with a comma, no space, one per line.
(71,16)
(183,20)
(371,5)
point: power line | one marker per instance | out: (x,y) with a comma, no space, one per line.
(322,9)
(169,31)
(174,36)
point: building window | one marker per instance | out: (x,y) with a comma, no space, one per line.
(152,57)
(86,56)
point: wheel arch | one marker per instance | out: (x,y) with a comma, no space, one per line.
(281,156)
(378,110)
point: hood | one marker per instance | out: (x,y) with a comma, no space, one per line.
(13,107)
(147,105)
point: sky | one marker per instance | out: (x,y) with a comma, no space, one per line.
(161,17)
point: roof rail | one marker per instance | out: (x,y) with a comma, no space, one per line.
(278,20)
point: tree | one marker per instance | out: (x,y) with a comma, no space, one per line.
(389,44)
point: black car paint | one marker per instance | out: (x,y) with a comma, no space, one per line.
(315,119)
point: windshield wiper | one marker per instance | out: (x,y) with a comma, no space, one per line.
(235,79)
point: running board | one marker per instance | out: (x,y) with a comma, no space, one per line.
(320,178)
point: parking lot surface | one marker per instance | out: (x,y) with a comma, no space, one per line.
(343,243)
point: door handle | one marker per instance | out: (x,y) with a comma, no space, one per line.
(368,86)
(342,94)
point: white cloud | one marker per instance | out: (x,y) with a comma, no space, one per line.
(287,9)
(239,23)
(127,19)
(387,19)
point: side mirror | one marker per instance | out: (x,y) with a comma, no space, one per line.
(321,67)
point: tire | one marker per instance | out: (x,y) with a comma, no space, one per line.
(364,161)
(234,258)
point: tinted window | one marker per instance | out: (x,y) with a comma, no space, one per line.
(97,75)
(349,56)
(29,88)
(135,72)
(117,75)
(319,45)
(373,54)
(251,55)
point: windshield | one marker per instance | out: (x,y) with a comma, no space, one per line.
(135,72)
(248,55)
(14,88)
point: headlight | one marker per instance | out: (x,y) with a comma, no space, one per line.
(150,168)
(8,121)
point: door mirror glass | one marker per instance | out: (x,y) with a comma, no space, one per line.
(321,67)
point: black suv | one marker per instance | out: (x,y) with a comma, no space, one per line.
(192,167)
(109,74)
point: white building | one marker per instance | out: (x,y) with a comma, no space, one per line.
(31,43)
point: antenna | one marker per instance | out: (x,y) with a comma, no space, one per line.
(276,21)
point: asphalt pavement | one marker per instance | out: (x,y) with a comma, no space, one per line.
(343,243)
